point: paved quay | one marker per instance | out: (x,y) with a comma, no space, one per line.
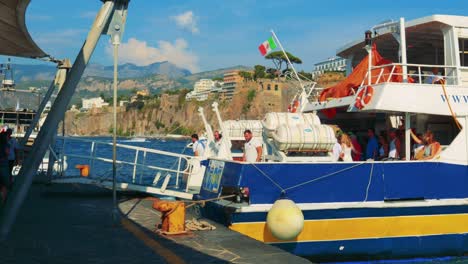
(72,223)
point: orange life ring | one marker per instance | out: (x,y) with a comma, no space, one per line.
(364,97)
(295,106)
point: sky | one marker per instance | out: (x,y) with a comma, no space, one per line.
(202,35)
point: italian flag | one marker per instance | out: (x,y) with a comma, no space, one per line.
(267,46)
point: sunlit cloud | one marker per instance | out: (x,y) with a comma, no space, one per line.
(140,53)
(187,21)
(61,37)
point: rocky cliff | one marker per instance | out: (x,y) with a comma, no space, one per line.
(169,114)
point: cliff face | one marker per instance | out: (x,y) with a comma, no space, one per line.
(172,114)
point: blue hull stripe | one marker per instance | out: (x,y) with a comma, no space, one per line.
(383,248)
(357,213)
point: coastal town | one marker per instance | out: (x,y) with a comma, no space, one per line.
(190,133)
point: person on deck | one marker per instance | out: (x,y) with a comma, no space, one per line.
(372,146)
(383,149)
(434,77)
(252,148)
(346,148)
(198,147)
(357,149)
(337,149)
(394,146)
(13,154)
(430,149)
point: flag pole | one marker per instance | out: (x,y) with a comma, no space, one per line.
(287,58)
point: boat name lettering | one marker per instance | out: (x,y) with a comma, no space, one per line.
(458,99)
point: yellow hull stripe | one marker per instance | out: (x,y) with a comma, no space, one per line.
(361,228)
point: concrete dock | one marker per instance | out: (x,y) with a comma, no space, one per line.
(72,223)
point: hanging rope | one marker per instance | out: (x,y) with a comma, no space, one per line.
(283,190)
(442,82)
(268,177)
(370,180)
(324,176)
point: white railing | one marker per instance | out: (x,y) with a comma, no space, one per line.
(419,73)
(134,157)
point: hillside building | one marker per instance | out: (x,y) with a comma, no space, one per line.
(335,64)
(143,93)
(96,102)
(231,81)
(203,88)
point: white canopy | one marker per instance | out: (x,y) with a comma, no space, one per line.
(14,37)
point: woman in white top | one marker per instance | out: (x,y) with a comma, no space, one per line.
(346,148)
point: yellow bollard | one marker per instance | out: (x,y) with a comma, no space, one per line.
(173,216)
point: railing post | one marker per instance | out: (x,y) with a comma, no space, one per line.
(419,73)
(135,165)
(178,172)
(93,156)
(142,172)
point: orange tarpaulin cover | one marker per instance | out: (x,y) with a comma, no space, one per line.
(349,85)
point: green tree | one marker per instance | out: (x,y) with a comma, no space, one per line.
(278,59)
(246,75)
(259,71)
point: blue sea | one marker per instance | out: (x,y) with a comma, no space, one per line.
(79,150)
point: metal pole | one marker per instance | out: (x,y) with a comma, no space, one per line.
(115,42)
(48,130)
(287,58)
(404,61)
(369,64)
(407,136)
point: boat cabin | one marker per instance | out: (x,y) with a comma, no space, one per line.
(390,82)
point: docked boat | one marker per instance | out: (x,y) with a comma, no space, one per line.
(367,209)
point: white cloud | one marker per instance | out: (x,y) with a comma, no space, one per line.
(140,53)
(186,21)
(66,36)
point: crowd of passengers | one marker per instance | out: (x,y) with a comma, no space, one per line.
(386,146)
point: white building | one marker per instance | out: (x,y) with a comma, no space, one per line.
(202,89)
(336,64)
(97,102)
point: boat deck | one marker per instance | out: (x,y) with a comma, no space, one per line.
(72,223)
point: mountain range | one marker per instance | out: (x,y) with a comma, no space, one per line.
(97,79)
(46,72)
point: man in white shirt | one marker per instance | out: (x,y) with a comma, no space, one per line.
(252,148)
(198,147)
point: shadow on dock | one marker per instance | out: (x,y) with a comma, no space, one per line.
(71,223)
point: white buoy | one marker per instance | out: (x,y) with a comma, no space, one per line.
(285,220)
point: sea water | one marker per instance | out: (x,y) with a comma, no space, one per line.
(79,151)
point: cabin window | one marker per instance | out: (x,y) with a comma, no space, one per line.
(268,87)
(463,45)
